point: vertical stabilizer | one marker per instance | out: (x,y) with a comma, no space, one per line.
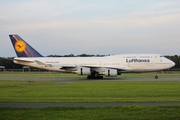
(22,48)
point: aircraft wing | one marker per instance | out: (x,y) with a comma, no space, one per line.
(119,68)
(68,66)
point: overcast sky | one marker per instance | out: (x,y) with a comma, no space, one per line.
(92,26)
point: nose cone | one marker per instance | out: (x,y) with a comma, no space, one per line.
(167,63)
(172,64)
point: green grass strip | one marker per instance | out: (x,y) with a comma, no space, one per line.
(89,91)
(92,113)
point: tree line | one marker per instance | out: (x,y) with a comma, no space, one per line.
(8,62)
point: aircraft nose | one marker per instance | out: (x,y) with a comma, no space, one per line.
(172,64)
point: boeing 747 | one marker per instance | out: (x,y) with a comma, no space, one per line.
(93,67)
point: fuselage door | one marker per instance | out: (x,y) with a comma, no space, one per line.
(152,61)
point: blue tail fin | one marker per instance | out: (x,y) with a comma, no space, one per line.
(22,48)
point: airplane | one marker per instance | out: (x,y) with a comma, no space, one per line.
(93,67)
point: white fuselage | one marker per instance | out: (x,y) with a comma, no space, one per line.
(122,63)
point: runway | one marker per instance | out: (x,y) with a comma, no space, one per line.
(42,105)
(84,79)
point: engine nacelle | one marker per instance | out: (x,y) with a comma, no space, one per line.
(84,71)
(110,72)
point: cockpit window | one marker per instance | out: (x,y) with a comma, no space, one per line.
(161,55)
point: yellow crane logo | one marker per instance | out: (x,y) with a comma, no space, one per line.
(20,46)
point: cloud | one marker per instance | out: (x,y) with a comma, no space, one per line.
(44,11)
(164,4)
(89,25)
(78,8)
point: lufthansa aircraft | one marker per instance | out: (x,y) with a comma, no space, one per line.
(93,67)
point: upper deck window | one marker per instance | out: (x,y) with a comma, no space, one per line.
(144,56)
(130,56)
(161,55)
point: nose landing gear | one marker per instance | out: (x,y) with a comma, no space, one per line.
(156,76)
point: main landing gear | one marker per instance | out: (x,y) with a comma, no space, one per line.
(94,77)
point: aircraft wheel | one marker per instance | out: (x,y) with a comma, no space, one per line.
(99,77)
(89,77)
(156,77)
(94,77)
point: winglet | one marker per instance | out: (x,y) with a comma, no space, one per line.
(22,48)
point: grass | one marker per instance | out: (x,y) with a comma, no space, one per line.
(89,91)
(92,113)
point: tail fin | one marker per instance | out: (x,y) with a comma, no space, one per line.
(22,48)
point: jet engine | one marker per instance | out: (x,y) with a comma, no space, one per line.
(84,71)
(110,72)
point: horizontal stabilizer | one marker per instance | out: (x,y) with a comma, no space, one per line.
(21,60)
